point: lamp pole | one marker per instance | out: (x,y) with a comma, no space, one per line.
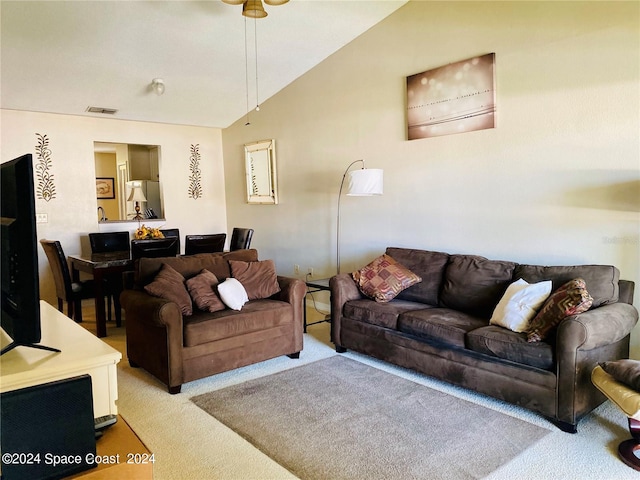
(338,222)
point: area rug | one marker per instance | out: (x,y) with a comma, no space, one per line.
(341,419)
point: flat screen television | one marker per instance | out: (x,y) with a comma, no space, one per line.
(19,256)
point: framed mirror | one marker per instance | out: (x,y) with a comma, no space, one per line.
(260,171)
(121,167)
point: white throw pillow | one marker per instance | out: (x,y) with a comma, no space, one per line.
(232,293)
(519,304)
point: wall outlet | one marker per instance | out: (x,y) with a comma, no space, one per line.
(310,272)
(296,269)
(42,218)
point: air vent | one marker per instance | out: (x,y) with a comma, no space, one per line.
(104,111)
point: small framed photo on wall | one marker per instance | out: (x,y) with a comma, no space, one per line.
(105,188)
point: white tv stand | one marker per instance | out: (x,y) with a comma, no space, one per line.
(81,352)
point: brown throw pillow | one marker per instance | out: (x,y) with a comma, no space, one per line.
(169,284)
(259,279)
(570,299)
(625,371)
(201,288)
(384,278)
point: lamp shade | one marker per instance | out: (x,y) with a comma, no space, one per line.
(365,182)
(136,195)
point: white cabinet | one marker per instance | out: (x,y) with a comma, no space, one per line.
(81,352)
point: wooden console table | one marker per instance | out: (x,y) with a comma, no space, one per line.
(81,353)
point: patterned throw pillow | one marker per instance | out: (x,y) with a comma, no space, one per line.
(570,299)
(201,288)
(169,284)
(384,278)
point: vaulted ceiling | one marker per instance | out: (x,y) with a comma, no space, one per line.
(65,56)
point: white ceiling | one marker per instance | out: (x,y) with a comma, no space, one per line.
(64,56)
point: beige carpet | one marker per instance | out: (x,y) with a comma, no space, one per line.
(189,444)
(341,419)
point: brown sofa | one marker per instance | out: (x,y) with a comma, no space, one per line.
(440,327)
(177,349)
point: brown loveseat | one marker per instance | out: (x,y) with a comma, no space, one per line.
(177,348)
(440,327)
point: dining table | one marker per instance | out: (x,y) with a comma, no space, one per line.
(101,266)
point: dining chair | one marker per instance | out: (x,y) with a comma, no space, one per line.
(109,242)
(105,242)
(66,289)
(240,238)
(172,232)
(155,247)
(204,243)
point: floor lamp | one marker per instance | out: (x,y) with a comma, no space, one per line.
(362,183)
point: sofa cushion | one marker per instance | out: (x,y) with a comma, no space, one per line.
(503,343)
(519,304)
(440,324)
(384,278)
(169,284)
(570,299)
(625,371)
(601,280)
(233,294)
(202,291)
(190,265)
(258,278)
(427,265)
(255,316)
(380,314)
(474,284)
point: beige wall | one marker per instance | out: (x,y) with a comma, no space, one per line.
(557,182)
(73,213)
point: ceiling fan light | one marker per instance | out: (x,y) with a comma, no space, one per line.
(274,3)
(233,2)
(253,9)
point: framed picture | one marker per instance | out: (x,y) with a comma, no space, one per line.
(105,188)
(455,98)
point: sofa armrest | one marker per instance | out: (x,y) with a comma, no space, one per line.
(152,311)
(293,291)
(343,288)
(582,342)
(595,328)
(154,335)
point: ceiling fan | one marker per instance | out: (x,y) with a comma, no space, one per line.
(254,8)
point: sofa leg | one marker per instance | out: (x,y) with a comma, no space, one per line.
(174,390)
(340,349)
(294,355)
(565,426)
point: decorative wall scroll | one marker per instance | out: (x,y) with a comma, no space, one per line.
(456,98)
(46,189)
(195,187)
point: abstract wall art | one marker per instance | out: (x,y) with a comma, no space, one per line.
(455,98)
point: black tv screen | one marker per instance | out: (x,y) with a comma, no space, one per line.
(20,289)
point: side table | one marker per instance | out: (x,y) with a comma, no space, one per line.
(312,287)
